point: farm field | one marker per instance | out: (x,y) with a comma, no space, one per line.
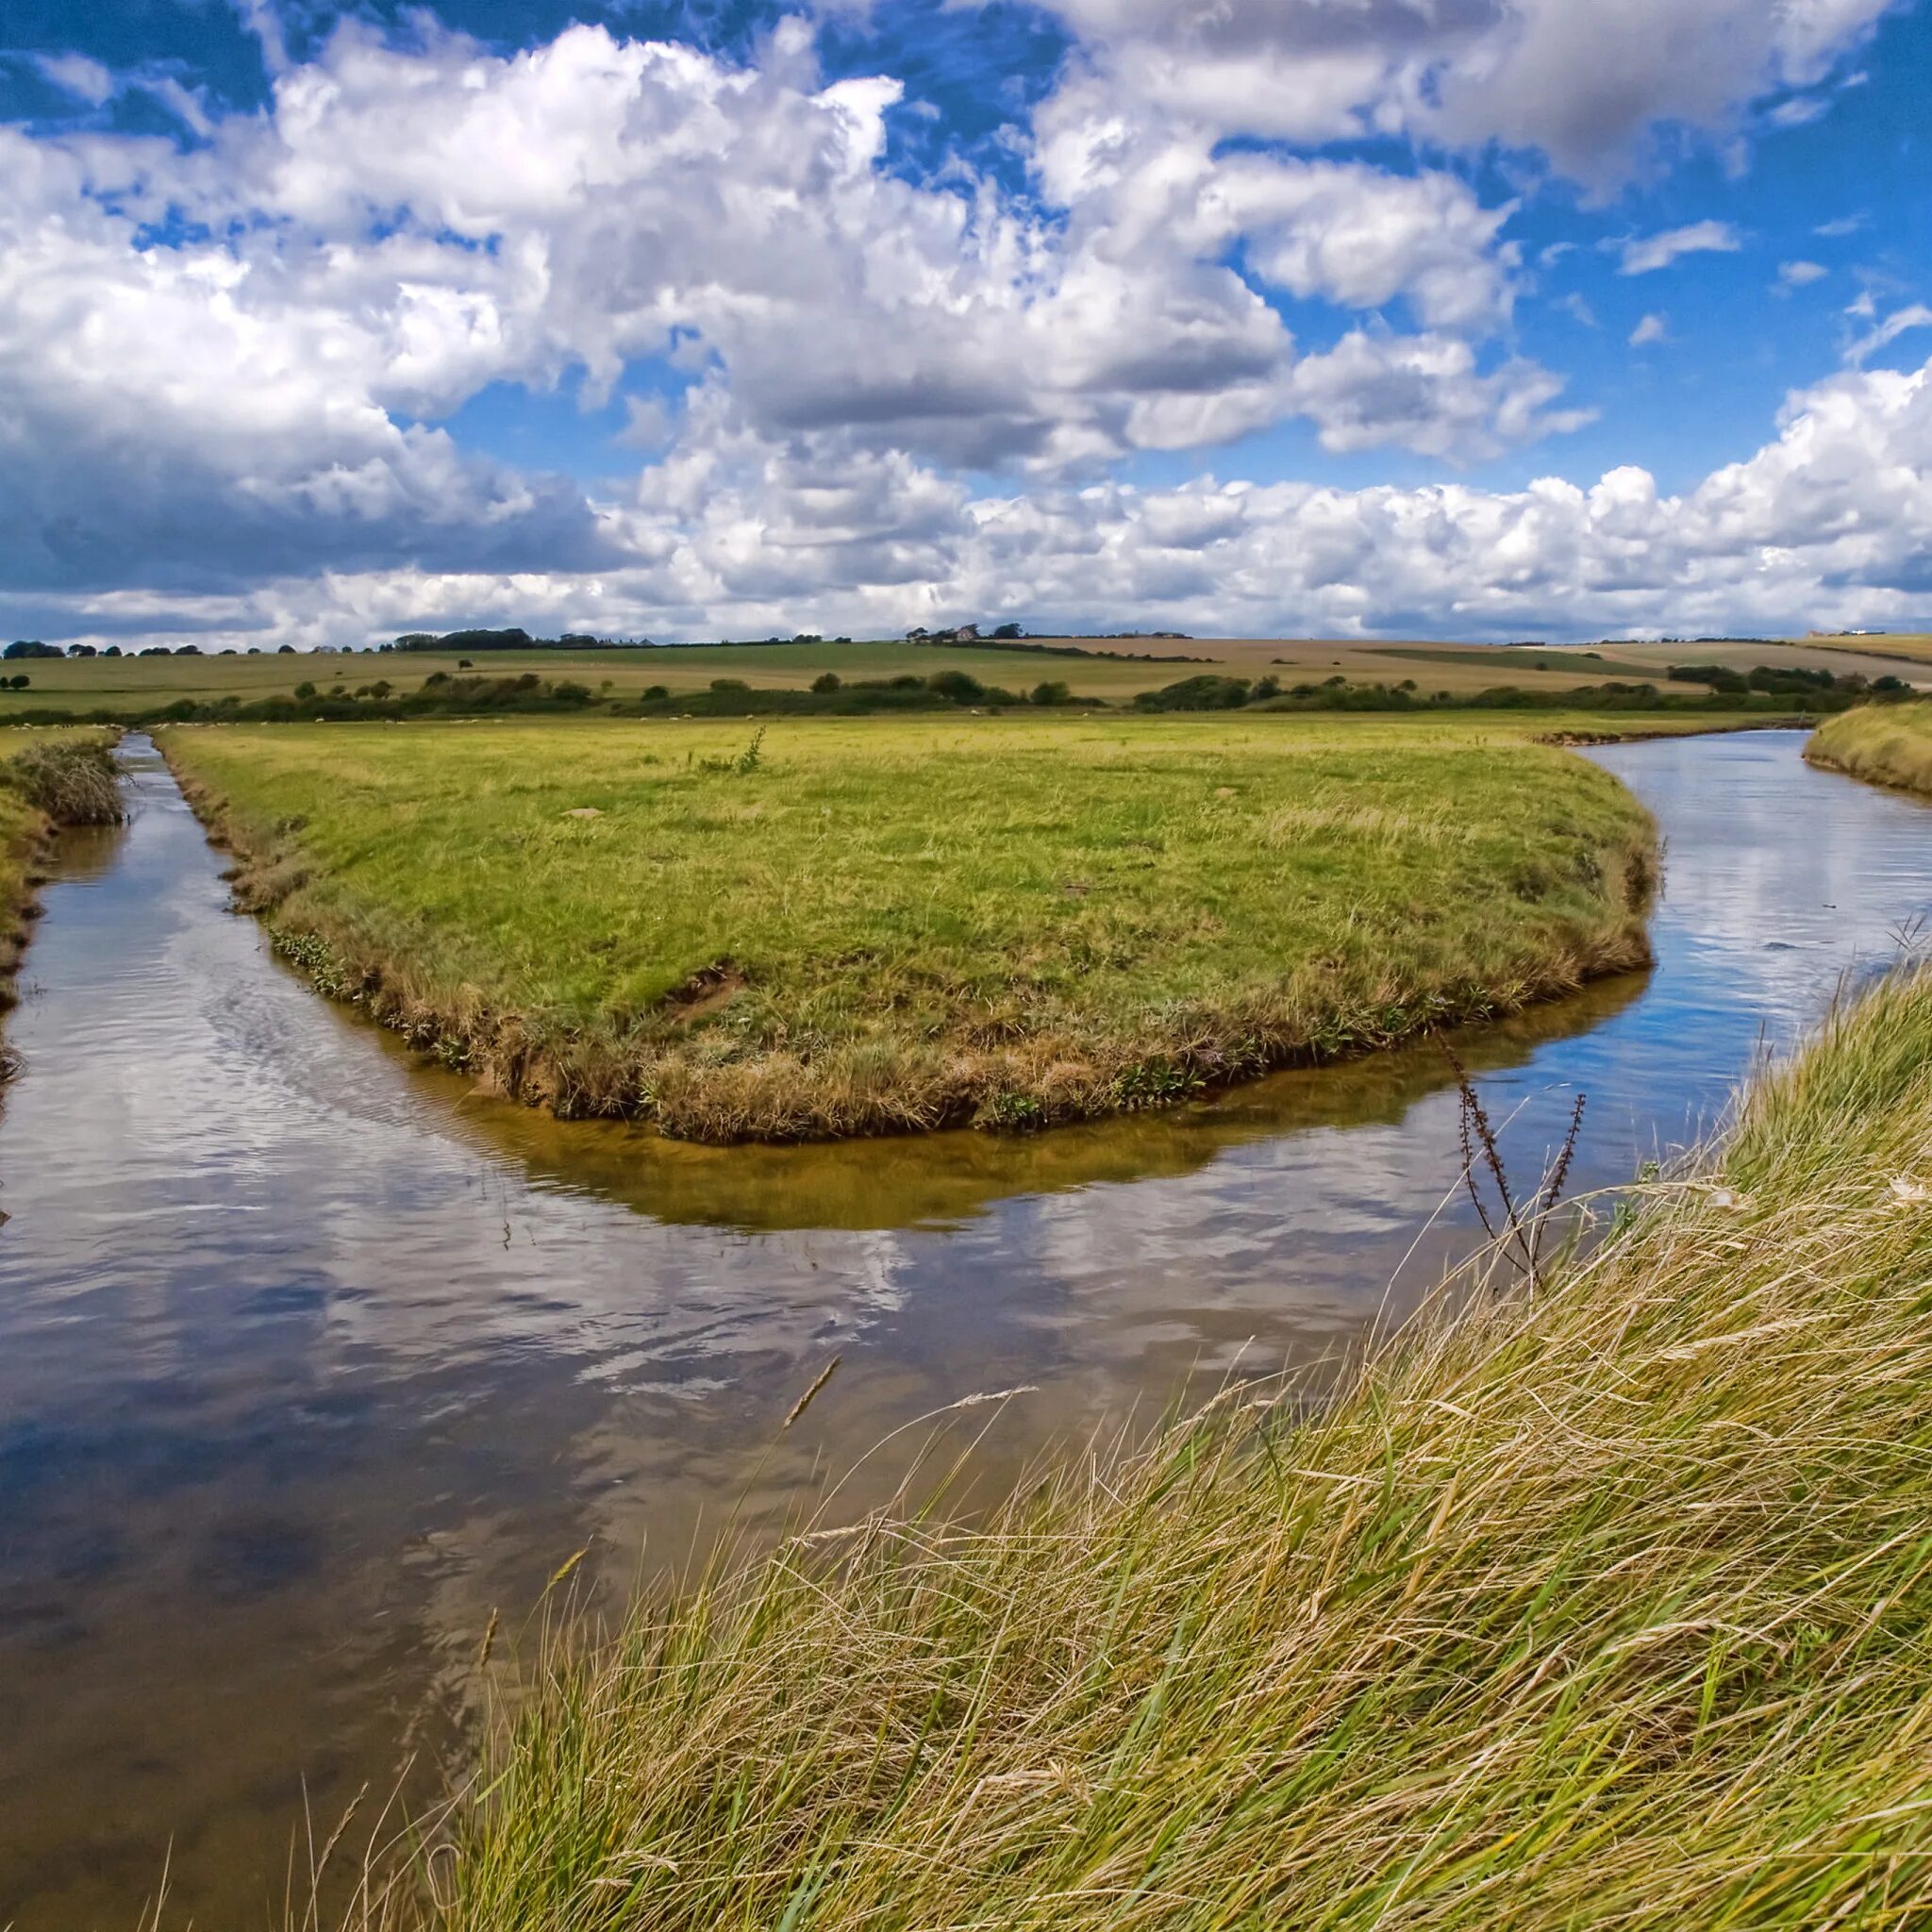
(136,684)
(772,933)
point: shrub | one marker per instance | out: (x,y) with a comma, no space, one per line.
(73,782)
(1208,691)
(825,683)
(960,686)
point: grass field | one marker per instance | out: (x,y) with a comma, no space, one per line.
(1906,646)
(1888,744)
(1603,1604)
(875,926)
(137,685)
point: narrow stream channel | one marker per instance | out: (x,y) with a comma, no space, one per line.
(308,1359)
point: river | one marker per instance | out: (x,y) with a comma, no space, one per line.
(310,1358)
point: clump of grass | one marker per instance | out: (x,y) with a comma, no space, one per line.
(1885,744)
(1004,921)
(72,780)
(1607,1605)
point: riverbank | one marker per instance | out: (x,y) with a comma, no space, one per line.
(1884,745)
(875,926)
(56,777)
(1601,1604)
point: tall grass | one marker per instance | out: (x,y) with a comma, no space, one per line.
(1607,1604)
(881,925)
(74,780)
(1886,744)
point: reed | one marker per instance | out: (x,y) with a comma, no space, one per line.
(1599,1605)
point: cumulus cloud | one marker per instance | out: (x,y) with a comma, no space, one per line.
(222,368)
(1644,255)
(1586,86)
(1799,275)
(232,358)
(1653,329)
(1828,522)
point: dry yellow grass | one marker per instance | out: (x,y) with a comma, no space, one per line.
(1604,1604)
(1886,744)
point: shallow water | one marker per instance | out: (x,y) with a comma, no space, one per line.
(308,1357)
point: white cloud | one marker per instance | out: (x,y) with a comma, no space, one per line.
(1587,86)
(1651,329)
(1826,524)
(236,431)
(1799,275)
(74,73)
(1917,316)
(408,225)
(1643,255)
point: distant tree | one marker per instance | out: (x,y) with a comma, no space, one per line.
(112,651)
(305,690)
(1051,692)
(285,650)
(1008,632)
(825,683)
(82,651)
(19,681)
(188,651)
(30,647)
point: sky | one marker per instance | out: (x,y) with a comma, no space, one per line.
(1486,318)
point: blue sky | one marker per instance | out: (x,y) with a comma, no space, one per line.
(1266,316)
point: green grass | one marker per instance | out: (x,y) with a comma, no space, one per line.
(893,924)
(1886,744)
(1602,1606)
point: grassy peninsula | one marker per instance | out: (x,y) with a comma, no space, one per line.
(1601,1604)
(1885,744)
(873,926)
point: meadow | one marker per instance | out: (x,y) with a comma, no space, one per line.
(828,927)
(1599,1598)
(1889,744)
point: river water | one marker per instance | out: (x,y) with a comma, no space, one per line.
(310,1358)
